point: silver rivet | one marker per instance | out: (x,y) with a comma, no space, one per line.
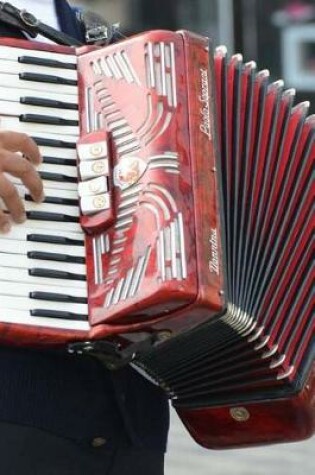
(98,442)
(239,414)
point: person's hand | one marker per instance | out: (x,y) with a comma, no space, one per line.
(20,166)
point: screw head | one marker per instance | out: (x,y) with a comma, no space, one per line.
(239,414)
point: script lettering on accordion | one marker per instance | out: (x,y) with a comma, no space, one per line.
(214,264)
(204,98)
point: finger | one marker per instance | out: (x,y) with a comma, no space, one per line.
(18,142)
(21,168)
(12,200)
(5,224)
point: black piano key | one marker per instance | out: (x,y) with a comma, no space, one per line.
(55,200)
(39,102)
(58,314)
(49,63)
(59,161)
(44,142)
(56,217)
(59,177)
(51,239)
(52,297)
(47,78)
(55,274)
(61,201)
(52,256)
(46,119)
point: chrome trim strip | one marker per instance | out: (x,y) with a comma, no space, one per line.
(174,74)
(163,71)
(117,292)
(127,284)
(182,245)
(151,64)
(173,251)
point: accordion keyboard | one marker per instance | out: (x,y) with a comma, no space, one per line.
(42,262)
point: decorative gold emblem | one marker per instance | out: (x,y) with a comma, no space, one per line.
(99,202)
(94,187)
(129,171)
(99,167)
(97,150)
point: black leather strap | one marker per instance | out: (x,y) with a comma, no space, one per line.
(25,21)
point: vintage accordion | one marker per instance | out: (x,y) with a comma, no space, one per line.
(176,230)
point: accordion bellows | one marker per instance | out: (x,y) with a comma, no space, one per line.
(260,353)
(198,253)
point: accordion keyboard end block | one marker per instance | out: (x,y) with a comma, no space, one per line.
(261,423)
(147,265)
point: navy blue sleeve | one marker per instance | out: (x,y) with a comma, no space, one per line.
(68,20)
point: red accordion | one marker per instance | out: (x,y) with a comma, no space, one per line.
(193,239)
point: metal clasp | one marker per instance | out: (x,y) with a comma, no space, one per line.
(97,34)
(112,354)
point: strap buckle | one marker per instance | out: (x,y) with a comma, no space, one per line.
(113,354)
(28,19)
(28,23)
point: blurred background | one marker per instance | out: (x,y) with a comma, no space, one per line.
(279,35)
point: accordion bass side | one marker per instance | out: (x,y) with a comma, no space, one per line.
(195,196)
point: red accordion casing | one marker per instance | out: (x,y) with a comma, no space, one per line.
(203,256)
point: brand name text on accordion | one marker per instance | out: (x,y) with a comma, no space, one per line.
(204,98)
(214,250)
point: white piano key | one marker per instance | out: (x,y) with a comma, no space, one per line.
(22,317)
(64,169)
(21,303)
(48,185)
(56,185)
(13,54)
(63,137)
(53,192)
(14,95)
(13,81)
(52,208)
(20,233)
(13,123)
(18,276)
(47,208)
(49,225)
(64,153)
(10,246)
(22,262)
(6,108)
(14,67)
(23,290)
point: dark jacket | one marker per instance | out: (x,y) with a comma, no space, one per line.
(76,397)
